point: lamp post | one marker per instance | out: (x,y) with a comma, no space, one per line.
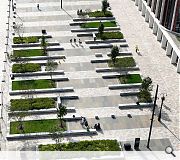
(61,4)
(149,138)
(162,100)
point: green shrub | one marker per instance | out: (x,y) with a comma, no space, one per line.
(33,84)
(100,14)
(110,35)
(130,78)
(122,62)
(35,126)
(144,96)
(27,53)
(20,40)
(95,145)
(28,67)
(97,24)
(30,104)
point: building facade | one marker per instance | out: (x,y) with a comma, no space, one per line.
(167,12)
(163,15)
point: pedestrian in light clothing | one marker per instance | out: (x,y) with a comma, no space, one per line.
(137,49)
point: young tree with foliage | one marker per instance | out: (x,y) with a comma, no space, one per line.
(56,134)
(114,53)
(61,112)
(101,29)
(145,94)
(44,44)
(51,66)
(105,5)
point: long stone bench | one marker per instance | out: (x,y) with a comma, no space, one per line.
(129,93)
(84,34)
(123,53)
(49,48)
(136,68)
(104,41)
(95,29)
(72,133)
(36,91)
(124,86)
(134,105)
(34,44)
(42,111)
(97,46)
(34,58)
(42,73)
(93,19)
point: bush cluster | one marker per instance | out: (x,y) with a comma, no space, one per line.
(20,40)
(110,35)
(96,145)
(100,14)
(28,67)
(30,104)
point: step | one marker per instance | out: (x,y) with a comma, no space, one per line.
(38,91)
(135,106)
(124,86)
(104,41)
(93,19)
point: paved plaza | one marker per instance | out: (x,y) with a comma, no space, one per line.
(94,96)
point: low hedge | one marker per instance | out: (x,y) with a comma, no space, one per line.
(130,78)
(33,84)
(144,96)
(35,126)
(97,24)
(122,62)
(28,53)
(95,145)
(100,14)
(110,35)
(28,67)
(31,104)
(20,40)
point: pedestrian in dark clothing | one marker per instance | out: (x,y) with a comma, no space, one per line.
(38,6)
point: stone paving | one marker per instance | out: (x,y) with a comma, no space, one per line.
(94,96)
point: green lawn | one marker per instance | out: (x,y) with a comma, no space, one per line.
(130,78)
(100,14)
(27,53)
(123,62)
(94,145)
(30,104)
(33,84)
(35,126)
(110,35)
(20,40)
(27,67)
(97,24)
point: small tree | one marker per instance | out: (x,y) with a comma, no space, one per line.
(114,53)
(51,66)
(101,29)
(56,134)
(147,84)
(61,112)
(44,44)
(105,5)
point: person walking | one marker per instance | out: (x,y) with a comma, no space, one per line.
(38,6)
(137,49)
(70,40)
(74,40)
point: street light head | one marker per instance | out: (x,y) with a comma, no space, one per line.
(169,150)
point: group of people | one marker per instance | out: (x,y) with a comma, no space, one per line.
(97,126)
(79,41)
(85,123)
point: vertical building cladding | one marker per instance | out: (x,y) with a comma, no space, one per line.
(167,12)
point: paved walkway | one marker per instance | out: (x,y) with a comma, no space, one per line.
(153,62)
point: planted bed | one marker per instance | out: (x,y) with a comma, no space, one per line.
(97,24)
(33,84)
(31,104)
(95,145)
(110,35)
(28,67)
(130,78)
(28,53)
(122,62)
(35,126)
(20,40)
(100,14)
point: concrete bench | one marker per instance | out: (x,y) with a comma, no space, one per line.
(129,93)
(117,69)
(124,86)
(34,44)
(93,19)
(134,105)
(104,41)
